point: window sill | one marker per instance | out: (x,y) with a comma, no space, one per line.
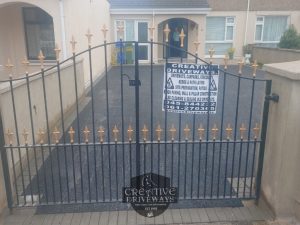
(46,63)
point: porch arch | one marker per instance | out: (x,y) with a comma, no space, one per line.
(31,3)
(190,28)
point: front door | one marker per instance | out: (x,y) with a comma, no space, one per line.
(176,26)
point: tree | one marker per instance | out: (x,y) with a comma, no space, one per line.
(290,39)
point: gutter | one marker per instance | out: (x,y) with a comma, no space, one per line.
(177,11)
(63,28)
(246,25)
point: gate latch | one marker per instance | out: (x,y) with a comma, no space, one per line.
(134,83)
(273,97)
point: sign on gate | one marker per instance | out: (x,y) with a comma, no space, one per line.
(186,88)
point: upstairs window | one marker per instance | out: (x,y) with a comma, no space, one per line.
(39,32)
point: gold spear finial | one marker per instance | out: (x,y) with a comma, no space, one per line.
(145,132)
(101,133)
(167,32)
(104,31)
(41,57)
(173,132)
(186,131)
(256,130)
(41,136)
(130,133)
(226,59)
(196,45)
(229,132)
(151,31)
(254,66)
(71,133)
(115,133)
(182,36)
(25,63)
(86,133)
(56,134)
(25,136)
(10,135)
(241,64)
(73,44)
(9,67)
(215,132)
(158,132)
(201,132)
(89,36)
(57,52)
(243,129)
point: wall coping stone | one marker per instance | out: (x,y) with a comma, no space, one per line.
(289,70)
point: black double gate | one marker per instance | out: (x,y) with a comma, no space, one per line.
(123,132)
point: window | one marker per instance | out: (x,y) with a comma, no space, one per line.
(39,33)
(134,30)
(219,34)
(269,29)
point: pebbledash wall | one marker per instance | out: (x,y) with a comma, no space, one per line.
(281,180)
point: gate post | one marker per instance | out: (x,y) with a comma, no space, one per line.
(5,166)
(263,138)
(137,108)
(280,180)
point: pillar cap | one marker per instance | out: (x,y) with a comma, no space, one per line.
(289,70)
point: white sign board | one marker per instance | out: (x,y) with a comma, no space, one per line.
(187,90)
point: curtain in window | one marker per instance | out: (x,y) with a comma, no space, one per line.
(215,28)
(274,27)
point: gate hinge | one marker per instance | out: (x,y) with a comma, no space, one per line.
(273,97)
(134,83)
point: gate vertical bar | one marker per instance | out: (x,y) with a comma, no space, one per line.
(5,167)
(137,108)
(263,139)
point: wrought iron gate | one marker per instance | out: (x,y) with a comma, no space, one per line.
(123,132)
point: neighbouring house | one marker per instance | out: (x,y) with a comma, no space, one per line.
(213,23)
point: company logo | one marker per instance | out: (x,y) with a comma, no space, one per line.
(150,194)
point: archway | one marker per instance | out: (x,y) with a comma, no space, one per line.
(176,25)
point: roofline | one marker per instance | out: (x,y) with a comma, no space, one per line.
(194,11)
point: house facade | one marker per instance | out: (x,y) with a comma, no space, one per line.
(29,26)
(212,23)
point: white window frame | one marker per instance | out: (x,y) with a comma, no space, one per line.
(136,22)
(136,25)
(116,30)
(225,41)
(263,25)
